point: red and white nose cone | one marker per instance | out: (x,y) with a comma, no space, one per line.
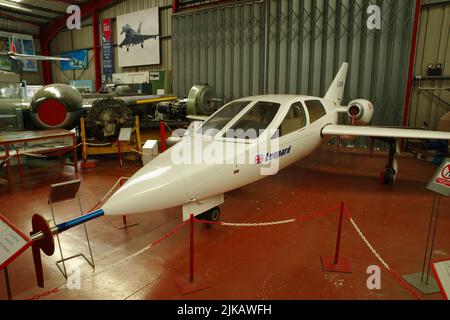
(52,113)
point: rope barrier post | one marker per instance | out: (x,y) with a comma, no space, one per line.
(196,281)
(162,131)
(191,251)
(339,233)
(337,263)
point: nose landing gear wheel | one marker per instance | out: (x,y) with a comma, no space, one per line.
(212,215)
(389,177)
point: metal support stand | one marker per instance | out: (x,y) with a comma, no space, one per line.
(422,280)
(61,192)
(8,285)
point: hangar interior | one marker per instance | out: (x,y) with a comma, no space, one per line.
(96,96)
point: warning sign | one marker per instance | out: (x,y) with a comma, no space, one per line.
(444,178)
(441,180)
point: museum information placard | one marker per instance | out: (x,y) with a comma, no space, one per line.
(12,242)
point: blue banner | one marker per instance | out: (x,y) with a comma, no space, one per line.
(108,51)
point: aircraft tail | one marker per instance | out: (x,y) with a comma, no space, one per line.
(139,29)
(336,91)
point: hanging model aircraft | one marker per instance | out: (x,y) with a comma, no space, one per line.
(133,38)
(244,141)
(18,58)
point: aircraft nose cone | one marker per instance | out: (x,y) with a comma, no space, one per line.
(152,188)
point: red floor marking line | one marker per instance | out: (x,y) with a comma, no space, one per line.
(394,274)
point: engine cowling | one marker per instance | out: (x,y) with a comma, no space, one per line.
(360,111)
(56,106)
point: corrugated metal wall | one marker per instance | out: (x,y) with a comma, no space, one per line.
(82,39)
(25,28)
(433,48)
(296,47)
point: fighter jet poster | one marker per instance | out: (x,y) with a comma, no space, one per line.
(138,38)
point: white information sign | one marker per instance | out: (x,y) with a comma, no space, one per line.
(441,271)
(12,242)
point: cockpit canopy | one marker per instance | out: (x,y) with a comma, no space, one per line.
(248,119)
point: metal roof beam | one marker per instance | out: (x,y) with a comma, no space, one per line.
(31,7)
(27,14)
(17,19)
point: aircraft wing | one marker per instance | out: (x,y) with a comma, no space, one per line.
(380,132)
(145,37)
(19,56)
(125,42)
(198,118)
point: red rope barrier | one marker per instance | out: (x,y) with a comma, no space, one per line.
(250,224)
(394,274)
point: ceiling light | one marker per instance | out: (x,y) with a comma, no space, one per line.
(14,6)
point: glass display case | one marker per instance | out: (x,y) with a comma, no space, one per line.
(11,117)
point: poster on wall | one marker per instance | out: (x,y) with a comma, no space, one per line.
(79,60)
(28,48)
(138,38)
(20,43)
(5,63)
(108,52)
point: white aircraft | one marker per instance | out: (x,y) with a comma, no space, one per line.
(302,123)
(268,133)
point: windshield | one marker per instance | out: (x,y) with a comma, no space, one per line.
(254,122)
(222,118)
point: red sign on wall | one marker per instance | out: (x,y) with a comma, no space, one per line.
(108,52)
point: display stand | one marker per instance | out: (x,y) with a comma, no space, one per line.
(8,285)
(62,192)
(130,139)
(440,185)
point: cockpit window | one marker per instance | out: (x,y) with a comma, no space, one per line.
(222,118)
(316,110)
(254,122)
(294,120)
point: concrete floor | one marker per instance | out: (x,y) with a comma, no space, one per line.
(277,262)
